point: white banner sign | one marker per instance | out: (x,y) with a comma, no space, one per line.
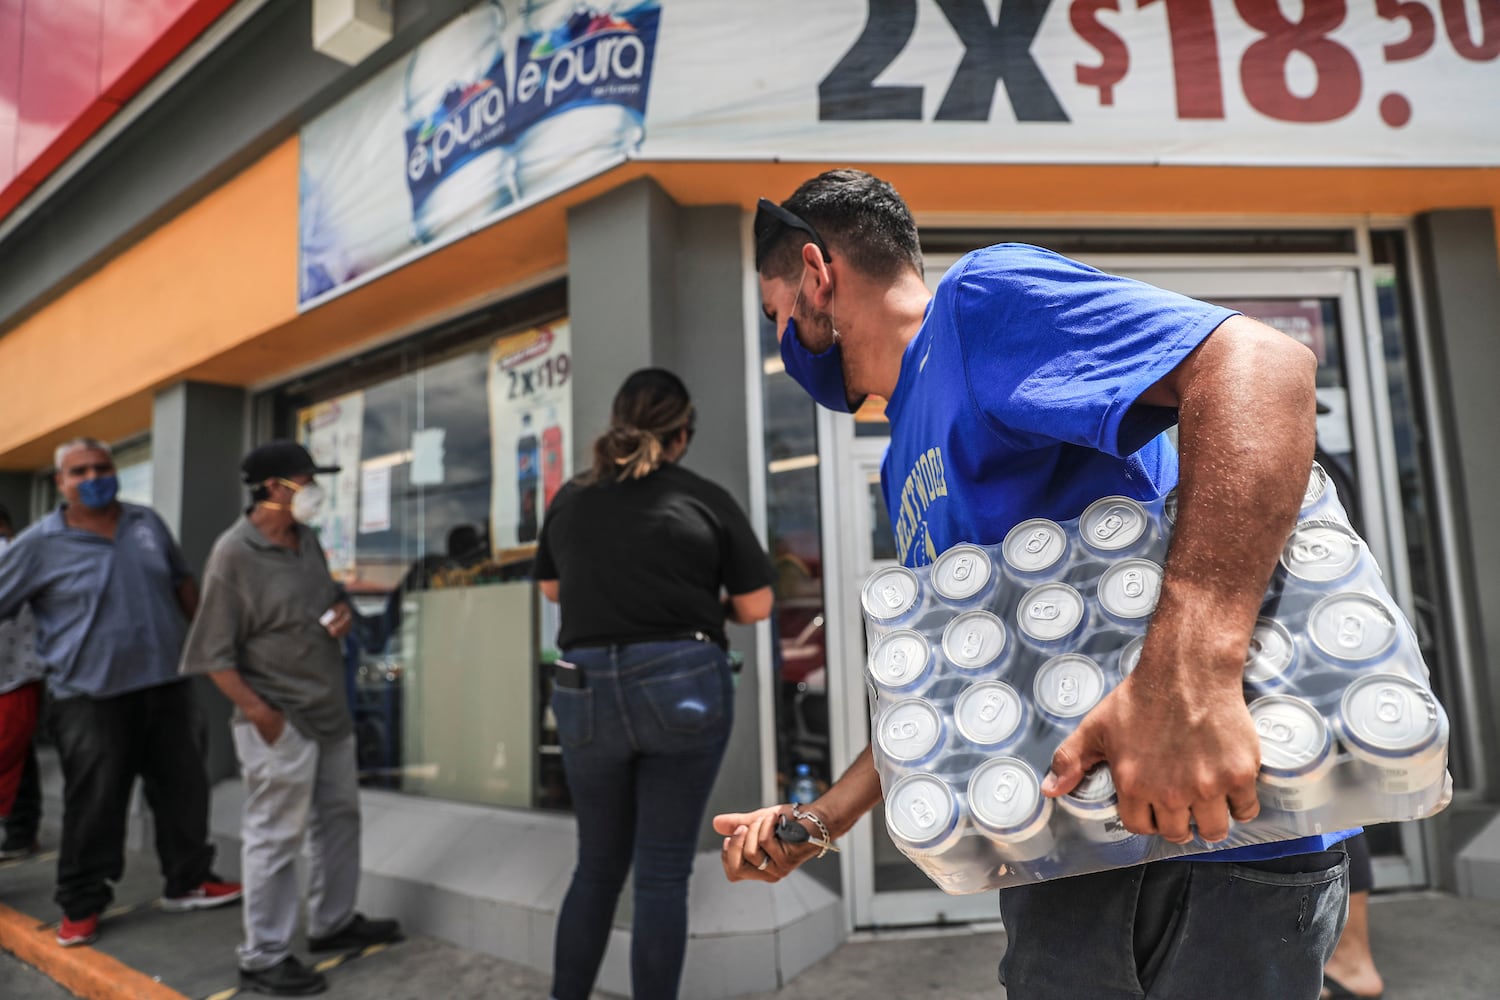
(512,102)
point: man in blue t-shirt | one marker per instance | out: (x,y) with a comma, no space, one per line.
(1031,385)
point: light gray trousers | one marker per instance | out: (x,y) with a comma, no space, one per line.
(295,788)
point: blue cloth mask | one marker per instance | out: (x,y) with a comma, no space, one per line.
(822,375)
(99,492)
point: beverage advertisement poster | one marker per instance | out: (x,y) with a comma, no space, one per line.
(333,431)
(531,433)
(516,100)
(504,106)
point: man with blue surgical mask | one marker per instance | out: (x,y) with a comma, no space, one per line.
(111,596)
(1030,385)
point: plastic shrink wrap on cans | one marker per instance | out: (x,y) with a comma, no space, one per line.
(981,663)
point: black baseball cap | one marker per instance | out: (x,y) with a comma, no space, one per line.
(281,460)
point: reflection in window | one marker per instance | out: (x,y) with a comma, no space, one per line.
(793,523)
(425,522)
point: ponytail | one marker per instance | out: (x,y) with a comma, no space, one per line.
(650,410)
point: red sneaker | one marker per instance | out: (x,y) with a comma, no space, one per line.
(211,893)
(73,933)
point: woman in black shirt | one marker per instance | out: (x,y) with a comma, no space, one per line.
(640,554)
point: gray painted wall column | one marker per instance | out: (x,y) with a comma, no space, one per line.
(1461,277)
(197,440)
(653,283)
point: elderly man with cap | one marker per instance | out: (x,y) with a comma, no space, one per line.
(268,633)
(110,593)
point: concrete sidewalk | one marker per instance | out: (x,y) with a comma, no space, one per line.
(1429,946)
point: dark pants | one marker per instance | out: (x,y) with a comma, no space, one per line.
(1177,930)
(642,742)
(104,743)
(26,813)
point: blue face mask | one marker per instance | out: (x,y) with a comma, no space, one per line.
(822,375)
(99,492)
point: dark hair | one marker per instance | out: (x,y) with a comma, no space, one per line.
(651,408)
(859,214)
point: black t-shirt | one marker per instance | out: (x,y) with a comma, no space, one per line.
(643,559)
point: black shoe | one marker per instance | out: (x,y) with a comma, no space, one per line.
(15,852)
(358,933)
(287,978)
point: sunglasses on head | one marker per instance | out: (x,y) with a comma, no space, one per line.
(771,220)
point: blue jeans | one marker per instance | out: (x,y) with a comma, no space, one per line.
(1177,930)
(641,742)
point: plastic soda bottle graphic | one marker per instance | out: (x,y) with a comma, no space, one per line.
(526,481)
(552,458)
(459,167)
(583,69)
(804,787)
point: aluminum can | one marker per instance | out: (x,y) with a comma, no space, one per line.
(1095,808)
(1397,732)
(976,642)
(1321,554)
(1271,659)
(922,815)
(1169,508)
(964,576)
(1352,630)
(911,732)
(1296,754)
(990,715)
(1130,656)
(892,596)
(1035,549)
(1067,687)
(1116,526)
(900,662)
(1128,591)
(1051,616)
(1007,806)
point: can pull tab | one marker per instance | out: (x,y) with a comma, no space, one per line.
(1389,705)
(1310,552)
(921,810)
(1037,540)
(1351,631)
(1110,524)
(1135,583)
(990,710)
(891,595)
(1067,690)
(963,568)
(1044,611)
(1276,732)
(903,730)
(1007,785)
(973,641)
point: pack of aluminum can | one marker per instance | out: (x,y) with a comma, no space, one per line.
(981,663)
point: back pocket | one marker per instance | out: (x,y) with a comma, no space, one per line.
(574,708)
(687,702)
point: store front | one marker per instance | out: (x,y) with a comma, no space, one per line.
(442,265)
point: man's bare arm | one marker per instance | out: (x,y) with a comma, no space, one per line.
(1176,733)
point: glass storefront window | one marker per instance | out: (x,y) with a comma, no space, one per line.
(450,444)
(793,524)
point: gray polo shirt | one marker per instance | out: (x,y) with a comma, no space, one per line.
(259,615)
(108,619)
